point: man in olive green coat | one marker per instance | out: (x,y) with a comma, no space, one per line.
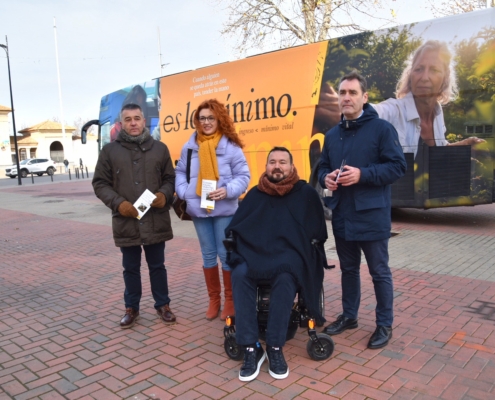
(127,167)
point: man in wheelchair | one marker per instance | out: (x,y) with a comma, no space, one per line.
(278,230)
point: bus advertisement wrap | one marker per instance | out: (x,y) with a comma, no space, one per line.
(464,48)
(271,99)
(145,95)
(289,98)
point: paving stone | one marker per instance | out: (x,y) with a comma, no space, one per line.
(59,333)
(72,374)
(64,386)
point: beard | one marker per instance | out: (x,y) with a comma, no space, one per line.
(276,179)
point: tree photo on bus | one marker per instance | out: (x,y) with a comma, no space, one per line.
(287,98)
(462,105)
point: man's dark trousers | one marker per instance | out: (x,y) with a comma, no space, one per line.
(282,294)
(131,261)
(376,253)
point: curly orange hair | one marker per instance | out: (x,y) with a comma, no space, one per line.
(225,123)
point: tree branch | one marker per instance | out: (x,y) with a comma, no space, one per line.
(282,23)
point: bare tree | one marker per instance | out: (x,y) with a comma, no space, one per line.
(79,123)
(451,7)
(23,125)
(285,23)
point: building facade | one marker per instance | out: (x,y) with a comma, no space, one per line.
(45,140)
(5,154)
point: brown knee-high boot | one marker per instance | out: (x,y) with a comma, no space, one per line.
(212,279)
(228,308)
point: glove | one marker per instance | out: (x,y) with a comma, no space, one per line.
(126,209)
(160,200)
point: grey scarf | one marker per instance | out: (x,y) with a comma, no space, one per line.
(135,139)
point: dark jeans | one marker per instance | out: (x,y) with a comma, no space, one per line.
(376,254)
(131,261)
(283,291)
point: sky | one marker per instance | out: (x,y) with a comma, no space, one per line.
(107,45)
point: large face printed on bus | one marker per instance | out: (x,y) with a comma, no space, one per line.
(278,166)
(351,98)
(427,75)
(133,122)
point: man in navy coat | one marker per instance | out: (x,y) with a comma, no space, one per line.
(361,158)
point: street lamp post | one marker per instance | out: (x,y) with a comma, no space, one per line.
(6,48)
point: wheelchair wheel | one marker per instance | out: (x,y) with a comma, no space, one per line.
(233,350)
(319,354)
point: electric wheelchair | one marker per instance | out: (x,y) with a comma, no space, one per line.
(320,346)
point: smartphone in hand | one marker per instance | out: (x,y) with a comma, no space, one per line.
(340,170)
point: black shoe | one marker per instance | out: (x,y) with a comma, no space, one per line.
(253,358)
(380,337)
(129,319)
(166,315)
(278,367)
(340,325)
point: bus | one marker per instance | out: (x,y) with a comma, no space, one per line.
(287,98)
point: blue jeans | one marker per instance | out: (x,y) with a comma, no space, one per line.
(211,233)
(131,261)
(376,254)
(282,294)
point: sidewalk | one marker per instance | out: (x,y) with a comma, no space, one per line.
(61,299)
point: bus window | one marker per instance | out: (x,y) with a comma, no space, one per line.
(105,134)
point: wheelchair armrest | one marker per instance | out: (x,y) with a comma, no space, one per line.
(316,243)
(229,242)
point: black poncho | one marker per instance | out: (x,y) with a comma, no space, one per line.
(275,234)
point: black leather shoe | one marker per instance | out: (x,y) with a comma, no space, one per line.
(166,315)
(129,319)
(340,325)
(380,337)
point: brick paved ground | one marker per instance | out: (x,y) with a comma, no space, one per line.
(61,300)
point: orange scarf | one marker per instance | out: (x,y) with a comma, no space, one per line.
(208,165)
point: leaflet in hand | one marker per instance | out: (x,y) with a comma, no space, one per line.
(207,187)
(143,204)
